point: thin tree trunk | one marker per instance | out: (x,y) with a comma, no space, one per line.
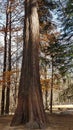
(9,68)
(51,94)
(46,89)
(17,73)
(4,66)
(30,105)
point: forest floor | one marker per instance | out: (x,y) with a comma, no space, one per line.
(62,121)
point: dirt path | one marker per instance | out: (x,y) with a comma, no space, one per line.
(61,122)
(55,122)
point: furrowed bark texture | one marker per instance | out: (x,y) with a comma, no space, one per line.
(30,105)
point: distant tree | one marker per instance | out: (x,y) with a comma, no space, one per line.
(9,63)
(12,19)
(4,64)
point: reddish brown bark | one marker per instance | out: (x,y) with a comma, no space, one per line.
(30,105)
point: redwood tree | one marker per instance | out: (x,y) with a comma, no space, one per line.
(30,109)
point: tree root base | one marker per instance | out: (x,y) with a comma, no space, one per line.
(34,125)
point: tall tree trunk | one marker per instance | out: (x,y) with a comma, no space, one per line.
(46,88)
(30,105)
(46,96)
(17,73)
(51,93)
(4,66)
(9,67)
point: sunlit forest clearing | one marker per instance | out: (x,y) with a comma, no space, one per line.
(36,64)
